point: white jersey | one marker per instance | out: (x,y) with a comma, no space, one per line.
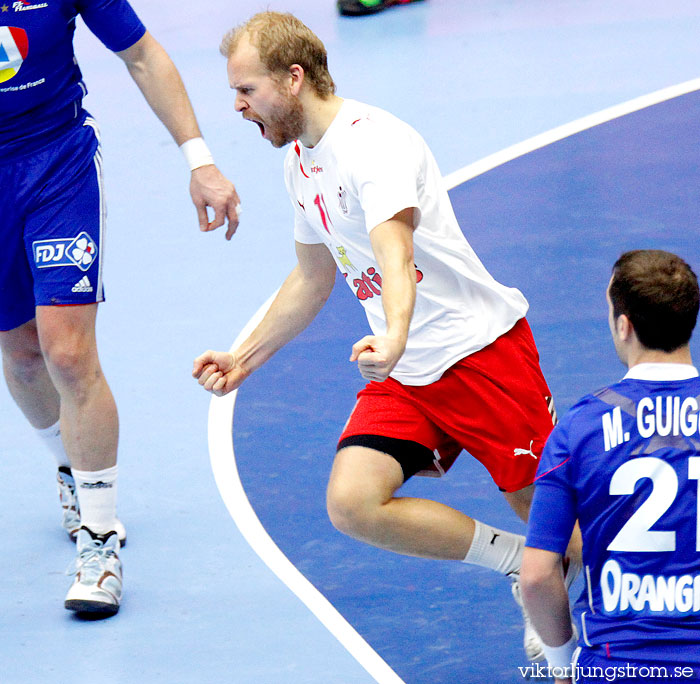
(367,167)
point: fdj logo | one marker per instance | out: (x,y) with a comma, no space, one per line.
(79,251)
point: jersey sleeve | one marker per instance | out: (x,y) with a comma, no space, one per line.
(385,169)
(553,511)
(303,232)
(114,22)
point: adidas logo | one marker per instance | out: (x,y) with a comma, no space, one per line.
(83,285)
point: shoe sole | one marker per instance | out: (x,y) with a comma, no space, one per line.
(91,607)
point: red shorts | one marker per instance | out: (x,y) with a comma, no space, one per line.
(494,403)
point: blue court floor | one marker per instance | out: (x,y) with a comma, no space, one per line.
(549,216)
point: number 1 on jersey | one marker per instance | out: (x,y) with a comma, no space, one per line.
(323,210)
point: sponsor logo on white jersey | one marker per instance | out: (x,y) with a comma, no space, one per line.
(344,259)
(342,200)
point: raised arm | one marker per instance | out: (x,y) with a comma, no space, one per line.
(159,81)
(392,243)
(300,298)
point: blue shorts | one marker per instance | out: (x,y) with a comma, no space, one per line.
(593,668)
(52,216)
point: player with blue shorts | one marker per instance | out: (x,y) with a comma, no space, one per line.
(52,223)
(625,463)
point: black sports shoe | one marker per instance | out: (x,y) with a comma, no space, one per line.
(358,8)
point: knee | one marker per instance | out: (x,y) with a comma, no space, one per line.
(25,360)
(521,501)
(73,365)
(349,511)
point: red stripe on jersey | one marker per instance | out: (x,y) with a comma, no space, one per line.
(298,151)
(552,469)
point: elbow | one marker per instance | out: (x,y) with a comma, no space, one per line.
(326,282)
(536,577)
(319,299)
(313,294)
(531,586)
(145,51)
(136,71)
(324,294)
(136,64)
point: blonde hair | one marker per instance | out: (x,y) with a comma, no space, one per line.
(282,40)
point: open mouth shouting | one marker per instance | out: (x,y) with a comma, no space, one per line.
(280,126)
(259,123)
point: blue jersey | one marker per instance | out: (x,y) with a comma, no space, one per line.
(625,462)
(41,87)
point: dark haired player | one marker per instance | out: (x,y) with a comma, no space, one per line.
(52,213)
(625,462)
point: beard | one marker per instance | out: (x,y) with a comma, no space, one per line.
(286,123)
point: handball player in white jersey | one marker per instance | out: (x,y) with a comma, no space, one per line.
(451,363)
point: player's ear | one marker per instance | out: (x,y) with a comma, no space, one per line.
(624,327)
(296,71)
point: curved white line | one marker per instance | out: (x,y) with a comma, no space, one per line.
(560,132)
(220,425)
(228,481)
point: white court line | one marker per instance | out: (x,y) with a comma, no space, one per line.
(220,425)
(519,149)
(228,481)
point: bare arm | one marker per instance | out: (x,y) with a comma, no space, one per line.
(392,243)
(160,82)
(545,597)
(300,298)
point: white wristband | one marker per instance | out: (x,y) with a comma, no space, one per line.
(559,657)
(196,153)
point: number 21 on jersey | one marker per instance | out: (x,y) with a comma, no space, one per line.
(636,534)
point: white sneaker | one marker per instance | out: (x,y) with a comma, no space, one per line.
(97,588)
(71,507)
(69,501)
(531,640)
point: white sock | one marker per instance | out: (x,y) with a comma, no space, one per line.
(51,436)
(493,548)
(97,496)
